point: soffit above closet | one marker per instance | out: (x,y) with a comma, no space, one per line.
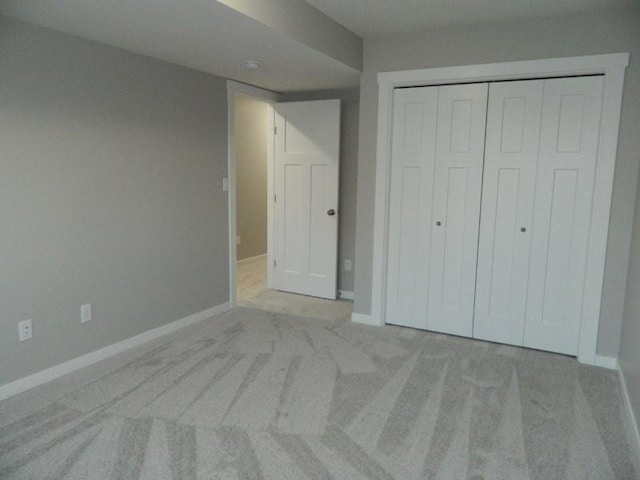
(371,18)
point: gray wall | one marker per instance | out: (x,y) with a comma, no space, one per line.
(251,145)
(110,187)
(629,357)
(350,110)
(610,32)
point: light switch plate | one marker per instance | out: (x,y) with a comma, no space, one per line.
(85,313)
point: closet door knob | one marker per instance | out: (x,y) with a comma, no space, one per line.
(522,229)
(331,212)
(438,223)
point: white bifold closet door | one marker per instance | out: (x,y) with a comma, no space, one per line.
(414,138)
(541,152)
(569,137)
(490,211)
(509,180)
(436,181)
(462,113)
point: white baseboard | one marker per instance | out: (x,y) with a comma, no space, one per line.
(44,376)
(606,362)
(633,421)
(346,294)
(252,259)
(364,319)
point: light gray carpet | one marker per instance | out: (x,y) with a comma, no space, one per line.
(257,395)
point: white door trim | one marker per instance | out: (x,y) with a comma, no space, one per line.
(612,66)
(240,89)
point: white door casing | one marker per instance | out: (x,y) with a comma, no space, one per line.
(456,207)
(611,67)
(414,137)
(511,156)
(307,159)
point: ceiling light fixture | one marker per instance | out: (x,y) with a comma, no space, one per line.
(251,65)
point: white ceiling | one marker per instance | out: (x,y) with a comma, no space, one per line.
(383,17)
(201,34)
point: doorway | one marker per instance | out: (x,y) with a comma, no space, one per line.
(266,99)
(251,155)
(252,210)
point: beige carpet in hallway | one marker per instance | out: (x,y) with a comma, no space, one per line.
(253,292)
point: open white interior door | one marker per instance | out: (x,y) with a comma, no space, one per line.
(307,165)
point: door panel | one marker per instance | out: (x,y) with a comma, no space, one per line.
(564,189)
(456,207)
(413,156)
(318,245)
(306,185)
(454,238)
(292,258)
(511,155)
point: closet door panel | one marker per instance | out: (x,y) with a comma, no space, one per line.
(511,155)
(413,155)
(456,207)
(562,214)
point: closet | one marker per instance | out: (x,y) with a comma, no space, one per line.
(490,208)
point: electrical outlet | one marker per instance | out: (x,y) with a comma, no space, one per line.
(85,313)
(347,265)
(238,241)
(25,330)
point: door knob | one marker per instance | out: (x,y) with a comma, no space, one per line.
(438,223)
(522,229)
(331,212)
